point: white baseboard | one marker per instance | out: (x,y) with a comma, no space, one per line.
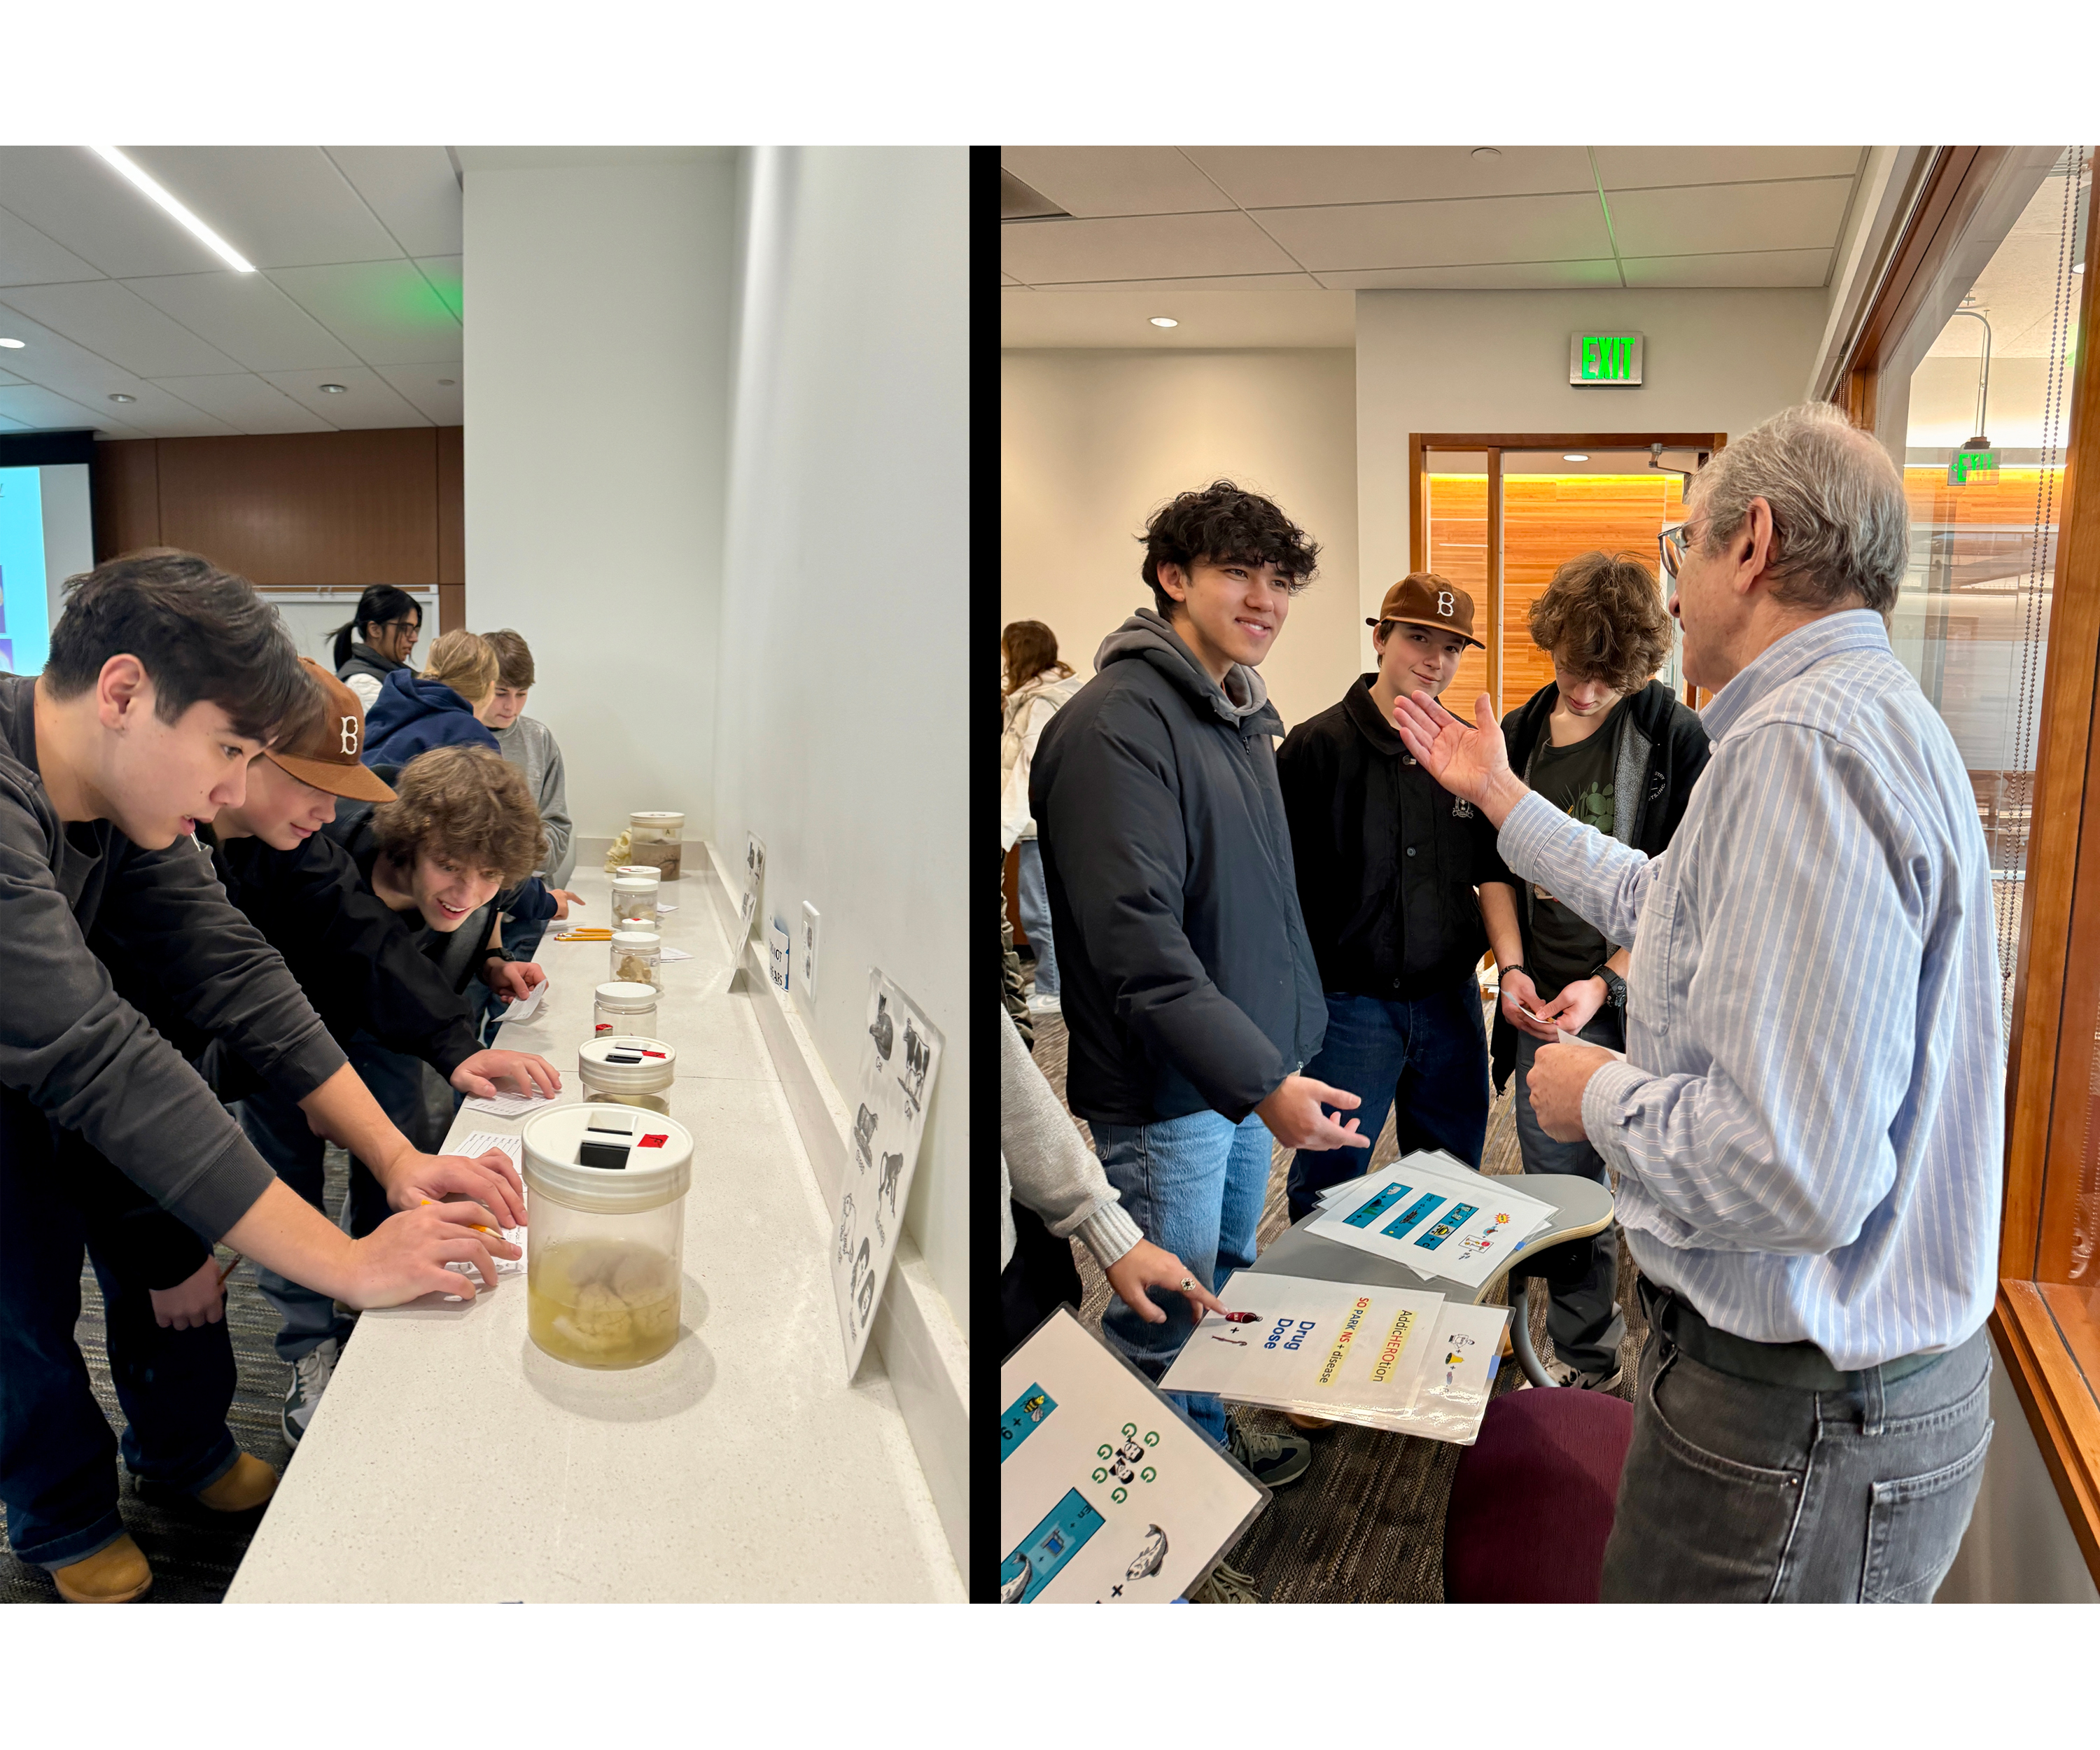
(924,1351)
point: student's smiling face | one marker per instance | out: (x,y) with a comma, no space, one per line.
(1417,658)
(448,893)
(1228,610)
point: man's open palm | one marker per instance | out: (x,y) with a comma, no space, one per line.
(1465,761)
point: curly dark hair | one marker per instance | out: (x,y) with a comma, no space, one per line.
(1227,526)
(1602,616)
(469,804)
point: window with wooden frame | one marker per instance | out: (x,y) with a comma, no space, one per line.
(1985,294)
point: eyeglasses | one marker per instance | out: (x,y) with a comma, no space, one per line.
(1676,544)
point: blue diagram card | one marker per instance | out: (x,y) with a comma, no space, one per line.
(1023,1416)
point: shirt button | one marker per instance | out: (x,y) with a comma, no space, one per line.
(1411,850)
(1407,759)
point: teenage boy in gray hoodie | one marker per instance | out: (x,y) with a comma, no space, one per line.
(1188,984)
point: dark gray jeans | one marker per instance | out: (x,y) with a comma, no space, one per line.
(1582,1318)
(1740,1492)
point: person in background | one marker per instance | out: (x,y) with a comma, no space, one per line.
(1608,745)
(1036,684)
(377,640)
(448,705)
(1388,865)
(1189,987)
(528,744)
(1807,1135)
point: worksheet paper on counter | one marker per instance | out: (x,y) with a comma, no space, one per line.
(1106,1495)
(1438,1225)
(473,1146)
(1422,1159)
(502,1105)
(1344,1350)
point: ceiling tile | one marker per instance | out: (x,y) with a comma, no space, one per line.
(1049,251)
(1265,176)
(81,204)
(1729,216)
(29,257)
(370,403)
(426,387)
(413,190)
(444,274)
(50,360)
(1007,279)
(14,424)
(111,319)
(9,376)
(1672,166)
(245,402)
(385,311)
(1107,181)
(1252,316)
(1752,267)
(1227,282)
(1491,276)
(41,410)
(248,318)
(1442,233)
(281,206)
(157,413)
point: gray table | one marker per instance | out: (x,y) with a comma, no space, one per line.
(1580,1207)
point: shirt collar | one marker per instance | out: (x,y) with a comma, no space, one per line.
(1362,710)
(1794,654)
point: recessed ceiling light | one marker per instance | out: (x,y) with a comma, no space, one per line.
(333,389)
(1487,154)
(1574,456)
(447,382)
(168,204)
(1165,322)
(124,398)
(17,344)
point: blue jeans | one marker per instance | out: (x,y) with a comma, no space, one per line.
(1428,1056)
(57,1474)
(1035,916)
(278,1128)
(1195,1185)
(1582,1318)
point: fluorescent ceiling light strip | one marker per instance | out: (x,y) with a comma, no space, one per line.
(168,204)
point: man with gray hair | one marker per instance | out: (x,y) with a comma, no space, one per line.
(1805,1132)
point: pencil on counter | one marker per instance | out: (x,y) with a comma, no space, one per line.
(477,1227)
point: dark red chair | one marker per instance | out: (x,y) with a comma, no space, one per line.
(1532,1499)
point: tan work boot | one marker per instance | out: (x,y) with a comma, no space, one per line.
(115,1573)
(245,1488)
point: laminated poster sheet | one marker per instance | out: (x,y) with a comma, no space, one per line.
(1437,1224)
(1106,1495)
(900,1057)
(1457,1375)
(1345,1350)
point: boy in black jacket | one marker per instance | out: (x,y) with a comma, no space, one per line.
(1189,987)
(1613,748)
(1388,864)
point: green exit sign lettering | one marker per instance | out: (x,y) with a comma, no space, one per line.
(1970,464)
(1604,361)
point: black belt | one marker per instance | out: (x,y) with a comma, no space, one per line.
(1801,1365)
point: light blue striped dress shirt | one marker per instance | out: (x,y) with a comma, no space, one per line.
(1805,1136)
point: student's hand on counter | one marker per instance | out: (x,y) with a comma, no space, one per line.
(563,899)
(196,1301)
(405,1256)
(1576,1005)
(1520,994)
(1145,1266)
(521,1072)
(1559,1075)
(491,1182)
(512,980)
(1294,1118)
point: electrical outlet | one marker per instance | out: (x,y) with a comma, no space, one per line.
(810,920)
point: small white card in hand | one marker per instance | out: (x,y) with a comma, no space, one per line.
(526,1007)
(1570,1038)
(502,1105)
(472,1147)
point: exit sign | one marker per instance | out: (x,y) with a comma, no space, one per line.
(1604,361)
(1969,464)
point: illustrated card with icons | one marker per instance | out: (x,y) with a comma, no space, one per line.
(1458,1226)
(1105,1494)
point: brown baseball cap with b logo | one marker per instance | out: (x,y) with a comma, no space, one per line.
(1423,598)
(327,756)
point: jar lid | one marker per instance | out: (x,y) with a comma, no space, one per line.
(645,872)
(636,941)
(619,994)
(602,1060)
(659,1160)
(655,817)
(627,884)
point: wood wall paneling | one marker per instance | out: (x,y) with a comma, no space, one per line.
(451,505)
(124,482)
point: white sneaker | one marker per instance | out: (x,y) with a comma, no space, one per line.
(309,1376)
(1039,1005)
(1565,1374)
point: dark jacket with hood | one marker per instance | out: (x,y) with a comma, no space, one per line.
(1388,859)
(411,715)
(363,659)
(1661,748)
(1188,982)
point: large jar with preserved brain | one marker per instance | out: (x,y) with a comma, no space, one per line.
(628,1070)
(657,840)
(606,1188)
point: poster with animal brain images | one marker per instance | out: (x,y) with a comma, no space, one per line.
(1105,1496)
(900,1055)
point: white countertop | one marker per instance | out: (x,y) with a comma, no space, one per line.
(451,1460)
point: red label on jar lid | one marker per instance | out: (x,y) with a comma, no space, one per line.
(653,1054)
(654,1142)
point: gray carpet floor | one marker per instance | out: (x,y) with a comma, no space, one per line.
(1366,1522)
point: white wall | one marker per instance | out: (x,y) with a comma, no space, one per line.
(596,376)
(1092,441)
(1478,362)
(844,660)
